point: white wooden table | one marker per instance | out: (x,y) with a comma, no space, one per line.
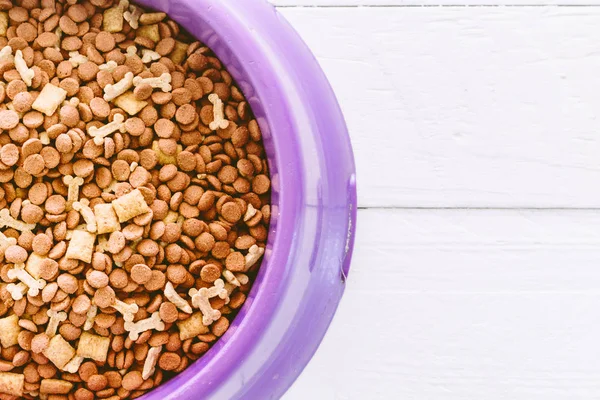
(476,132)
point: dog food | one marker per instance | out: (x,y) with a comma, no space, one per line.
(134,199)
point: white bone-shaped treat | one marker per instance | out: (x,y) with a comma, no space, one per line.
(132,16)
(133,166)
(118,124)
(10,222)
(34,285)
(73,101)
(150,362)
(89,317)
(201,299)
(6,242)
(131,51)
(73,192)
(6,54)
(162,82)
(254,254)
(111,92)
(175,298)
(149,56)
(219,121)
(152,323)
(242,278)
(73,365)
(77,59)
(127,310)
(83,207)
(230,277)
(110,66)
(55,319)
(26,73)
(17,291)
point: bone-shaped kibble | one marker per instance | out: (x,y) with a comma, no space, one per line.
(132,16)
(127,310)
(150,363)
(131,51)
(89,318)
(242,278)
(99,134)
(55,319)
(6,242)
(109,66)
(73,193)
(83,207)
(77,59)
(175,298)
(34,285)
(254,254)
(152,323)
(8,221)
(6,54)
(149,56)
(111,92)
(73,101)
(26,73)
(219,121)
(163,82)
(73,365)
(230,277)
(17,291)
(201,299)
(250,212)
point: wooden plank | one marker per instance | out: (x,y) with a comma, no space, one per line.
(465,304)
(466,107)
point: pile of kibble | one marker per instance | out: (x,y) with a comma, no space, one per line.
(134,199)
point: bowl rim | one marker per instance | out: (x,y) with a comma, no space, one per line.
(252,39)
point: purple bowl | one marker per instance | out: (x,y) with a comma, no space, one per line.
(303,274)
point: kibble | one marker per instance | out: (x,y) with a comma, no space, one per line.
(124,197)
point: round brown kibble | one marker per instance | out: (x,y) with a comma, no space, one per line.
(39,343)
(205,242)
(105,41)
(143,91)
(97,279)
(157,281)
(34,164)
(69,116)
(197,62)
(9,154)
(261,184)
(104,297)
(141,274)
(100,108)
(169,361)
(132,380)
(64,143)
(210,273)
(41,244)
(22,102)
(172,233)
(97,382)
(231,211)
(164,128)
(235,262)
(55,204)
(165,46)
(168,312)
(48,268)
(135,126)
(81,304)
(88,71)
(83,168)
(15,254)
(120,170)
(118,278)
(68,283)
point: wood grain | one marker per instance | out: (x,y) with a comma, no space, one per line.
(466,107)
(465,304)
